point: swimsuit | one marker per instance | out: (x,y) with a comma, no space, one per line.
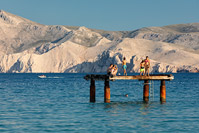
(147,63)
(124,66)
(141,69)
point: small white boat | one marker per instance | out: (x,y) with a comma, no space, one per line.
(42,76)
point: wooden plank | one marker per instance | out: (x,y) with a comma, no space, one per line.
(135,77)
(142,78)
(101,77)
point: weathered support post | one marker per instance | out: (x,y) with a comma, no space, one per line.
(146,91)
(107,93)
(163,91)
(92,90)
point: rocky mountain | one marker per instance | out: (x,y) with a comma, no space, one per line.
(186,35)
(27,46)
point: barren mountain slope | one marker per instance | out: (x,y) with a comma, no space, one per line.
(186,35)
(26,46)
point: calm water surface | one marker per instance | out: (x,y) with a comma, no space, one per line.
(60,103)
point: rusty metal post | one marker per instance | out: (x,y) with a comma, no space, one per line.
(92,90)
(107,93)
(163,91)
(146,91)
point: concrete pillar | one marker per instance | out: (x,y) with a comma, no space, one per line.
(92,90)
(107,93)
(163,91)
(146,91)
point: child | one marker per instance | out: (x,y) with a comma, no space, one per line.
(142,70)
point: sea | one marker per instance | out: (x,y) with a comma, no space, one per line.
(60,103)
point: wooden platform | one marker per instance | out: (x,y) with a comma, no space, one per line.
(167,77)
(102,77)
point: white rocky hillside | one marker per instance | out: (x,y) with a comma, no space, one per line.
(26,46)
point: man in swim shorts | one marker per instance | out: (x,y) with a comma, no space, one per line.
(124,66)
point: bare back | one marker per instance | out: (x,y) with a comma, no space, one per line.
(124,62)
(142,64)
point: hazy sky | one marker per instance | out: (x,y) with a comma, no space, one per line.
(116,15)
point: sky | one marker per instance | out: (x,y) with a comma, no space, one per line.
(112,15)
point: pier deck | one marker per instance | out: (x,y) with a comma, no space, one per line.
(167,77)
(106,79)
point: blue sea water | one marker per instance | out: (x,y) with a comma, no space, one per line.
(60,103)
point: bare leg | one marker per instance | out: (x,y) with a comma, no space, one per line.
(125,72)
(142,73)
(147,71)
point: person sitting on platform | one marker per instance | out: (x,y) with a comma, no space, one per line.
(109,69)
(114,70)
(142,70)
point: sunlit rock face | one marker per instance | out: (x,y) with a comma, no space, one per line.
(27,46)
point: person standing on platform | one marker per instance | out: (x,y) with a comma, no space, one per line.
(147,65)
(124,66)
(142,68)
